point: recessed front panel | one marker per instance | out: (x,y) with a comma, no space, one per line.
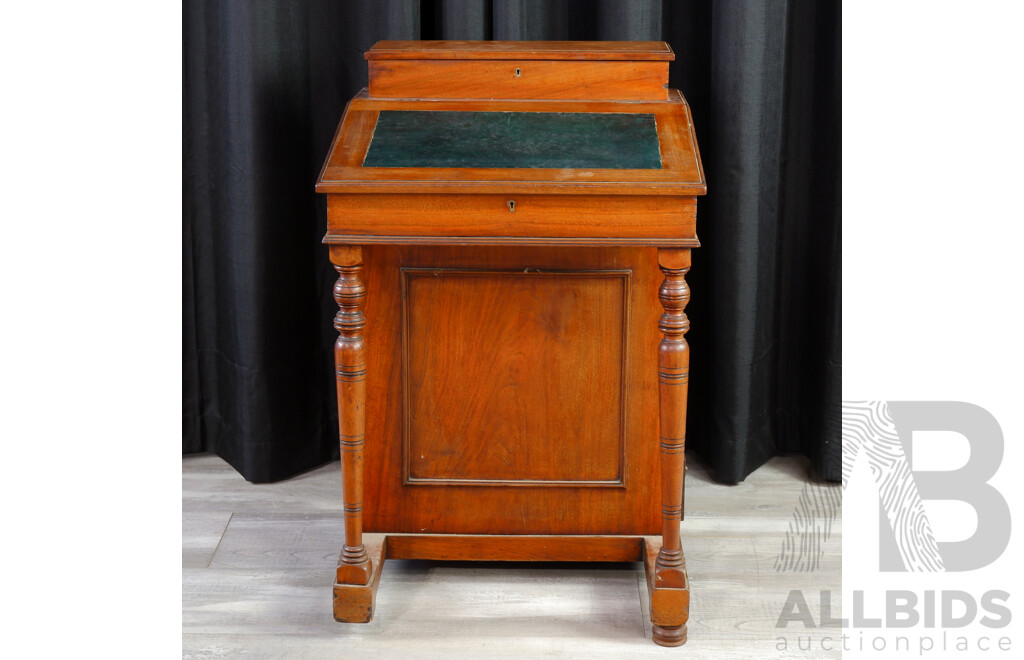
(514,377)
(511,390)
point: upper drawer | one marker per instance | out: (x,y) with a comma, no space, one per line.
(595,70)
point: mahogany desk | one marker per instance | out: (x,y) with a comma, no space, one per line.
(498,213)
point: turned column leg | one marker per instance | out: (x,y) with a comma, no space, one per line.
(673,376)
(350,365)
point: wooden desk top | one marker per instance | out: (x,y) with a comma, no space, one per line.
(503,117)
(541,143)
(354,164)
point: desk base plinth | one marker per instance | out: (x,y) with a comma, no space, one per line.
(669,606)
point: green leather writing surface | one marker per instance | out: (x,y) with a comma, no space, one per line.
(574,140)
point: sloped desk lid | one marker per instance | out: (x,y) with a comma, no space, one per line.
(506,146)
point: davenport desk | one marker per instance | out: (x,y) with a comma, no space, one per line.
(511,364)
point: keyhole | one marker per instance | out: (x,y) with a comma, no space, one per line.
(518,72)
(512,205)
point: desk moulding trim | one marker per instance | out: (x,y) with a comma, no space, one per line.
(625,275)
(359,239)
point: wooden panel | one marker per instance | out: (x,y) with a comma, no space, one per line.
(514,377)
(392,506)
(537,50)
(515,548)
(519,79)
(607,216)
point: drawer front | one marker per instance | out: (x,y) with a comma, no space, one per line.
(364,218)
(515,79)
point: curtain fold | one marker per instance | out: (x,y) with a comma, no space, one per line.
(264,84)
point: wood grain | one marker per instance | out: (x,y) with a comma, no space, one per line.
(201,532)
(681,172)
(362,102)
(354,566)
(534,50)
(510,386)
(512,241)
(514,377)
(354,603)
(518,79)
(724,545)
(669,603)
(518,548)
(211,487)
(673,383)
(532,313)
(529,216)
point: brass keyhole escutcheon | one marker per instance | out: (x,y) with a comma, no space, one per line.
(519,72)
(512,205)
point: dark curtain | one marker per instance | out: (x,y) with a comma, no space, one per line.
(265,83)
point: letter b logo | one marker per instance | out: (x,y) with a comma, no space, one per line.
(883,432)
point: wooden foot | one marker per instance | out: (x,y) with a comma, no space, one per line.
(669,635)
(669,591)
(354,603)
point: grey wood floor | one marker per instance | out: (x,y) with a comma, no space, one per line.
(258,563)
